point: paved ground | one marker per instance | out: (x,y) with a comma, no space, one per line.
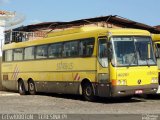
(71,104)
(55,103)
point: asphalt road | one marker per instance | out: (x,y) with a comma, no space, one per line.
(48,104)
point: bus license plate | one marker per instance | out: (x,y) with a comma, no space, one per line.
(138,91)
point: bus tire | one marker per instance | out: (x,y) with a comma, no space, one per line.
(21,88)
(31,87)
(87,92)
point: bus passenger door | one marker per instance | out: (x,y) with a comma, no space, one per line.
(157,51)
(103,87)
(157,54)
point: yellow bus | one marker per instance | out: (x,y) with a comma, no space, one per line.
(92,61)
(156,41)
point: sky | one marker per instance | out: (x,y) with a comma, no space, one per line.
(35,11)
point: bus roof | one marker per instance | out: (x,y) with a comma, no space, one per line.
(112,31)
(77,33)
(156,37)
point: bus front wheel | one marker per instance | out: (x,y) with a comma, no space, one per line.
(31,87)
(87,92)
(21,88)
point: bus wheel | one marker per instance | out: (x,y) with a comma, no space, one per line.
(87,92)
(21,88)
(31,87)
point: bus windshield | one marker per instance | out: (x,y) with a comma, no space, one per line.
(132,51)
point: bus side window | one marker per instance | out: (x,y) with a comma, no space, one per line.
(18,54)
(66,50)
(8,56)
(70,49)
(86,47)
(41,52)
(103,57)
(74,48)
(55,50)
(29,53)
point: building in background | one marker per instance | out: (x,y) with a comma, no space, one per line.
(36,31)
(111,21)
(158,27)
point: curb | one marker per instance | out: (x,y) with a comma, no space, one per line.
(9,94)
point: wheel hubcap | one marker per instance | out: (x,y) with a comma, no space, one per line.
(88,91)
(31,85)
(20,87)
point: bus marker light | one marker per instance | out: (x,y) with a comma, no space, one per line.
(114,82)
(119,82)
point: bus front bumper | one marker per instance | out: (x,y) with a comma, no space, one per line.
(120,91)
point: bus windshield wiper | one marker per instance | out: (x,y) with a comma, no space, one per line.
(147,61)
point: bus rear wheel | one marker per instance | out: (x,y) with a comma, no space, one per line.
(21,88)
(87,92)
(31,87)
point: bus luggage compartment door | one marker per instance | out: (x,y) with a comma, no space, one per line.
(103,89)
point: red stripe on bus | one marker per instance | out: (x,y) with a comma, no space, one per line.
(75,76)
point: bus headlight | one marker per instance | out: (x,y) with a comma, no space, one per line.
(121,82)
(154,80)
